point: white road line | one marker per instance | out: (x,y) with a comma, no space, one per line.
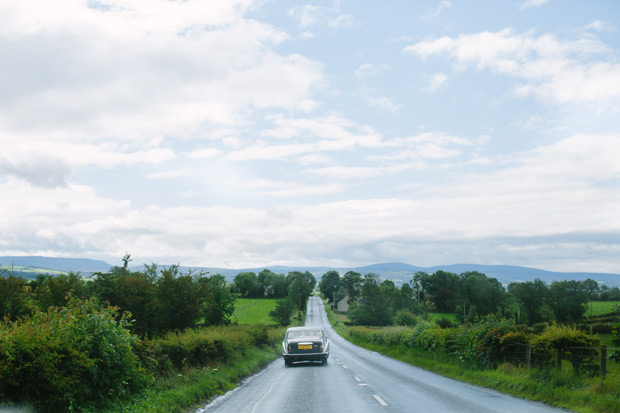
(380,400)
(357,378)
(344,367)
(363,385)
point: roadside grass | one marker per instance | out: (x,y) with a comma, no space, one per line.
(192,388)
(253,310)
(562,389)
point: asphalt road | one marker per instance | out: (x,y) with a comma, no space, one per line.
(358,380)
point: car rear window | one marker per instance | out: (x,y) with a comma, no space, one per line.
(305,333)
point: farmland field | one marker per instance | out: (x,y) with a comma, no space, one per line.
(601,307)
(253,310)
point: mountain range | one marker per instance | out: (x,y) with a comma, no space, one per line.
(397,272)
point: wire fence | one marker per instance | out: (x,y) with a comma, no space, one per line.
(592,359)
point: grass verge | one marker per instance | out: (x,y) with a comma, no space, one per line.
(563,389)
(191,389)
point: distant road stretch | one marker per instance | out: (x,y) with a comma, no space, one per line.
(358,380)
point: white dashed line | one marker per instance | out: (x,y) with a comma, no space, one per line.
(357,378)
(363,385)
(380,400)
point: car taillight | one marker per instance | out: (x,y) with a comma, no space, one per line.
(320,347)
(289,348)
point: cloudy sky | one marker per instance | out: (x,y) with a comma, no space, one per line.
(246,133)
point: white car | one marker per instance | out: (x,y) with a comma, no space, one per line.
(305,344)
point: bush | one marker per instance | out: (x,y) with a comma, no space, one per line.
(405,318)
(68,358)
(580,348)
(203,347)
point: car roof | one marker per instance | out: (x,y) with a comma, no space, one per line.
(304,328)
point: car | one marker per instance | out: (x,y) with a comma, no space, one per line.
(305,344)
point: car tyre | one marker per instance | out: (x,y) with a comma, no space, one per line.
(287,363)
(324,361)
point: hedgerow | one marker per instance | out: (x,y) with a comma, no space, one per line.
(491,342)
(68,359)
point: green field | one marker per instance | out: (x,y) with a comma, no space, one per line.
(602,307)
(253,310)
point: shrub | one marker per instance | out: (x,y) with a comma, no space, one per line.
(580,348)
(405,318)
(68,358)
(480,343)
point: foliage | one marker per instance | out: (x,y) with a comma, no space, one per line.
(300,288)
(68,358)
(580,348)
(14,296)
(202,347)
(162,300)
(283,311)
(405,318)
(479,295)
(50,290)
(568,300)
(330,284)
(246,284)
(372,306)
(351,283)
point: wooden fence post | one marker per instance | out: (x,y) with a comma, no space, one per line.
(603,359)
(528,355)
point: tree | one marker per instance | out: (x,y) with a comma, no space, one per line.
(329,285)
(57,290)
(217,302)
(440,288)
(479,295)
(299,290)
(352,284)
(372,306)
(530,297)
(178,300)
(14,296)
(568,300)
(283,311)
(246,283)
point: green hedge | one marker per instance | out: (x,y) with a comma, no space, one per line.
(68,359)
(205,346)
(490,342)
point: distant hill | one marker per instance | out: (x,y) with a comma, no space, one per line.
(56,264)
(397,272)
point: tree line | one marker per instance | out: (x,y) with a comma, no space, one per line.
(469,295)
(158,299)
(292,290)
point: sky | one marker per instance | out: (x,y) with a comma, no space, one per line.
(251,133)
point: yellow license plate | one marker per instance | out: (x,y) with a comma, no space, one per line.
(305,346)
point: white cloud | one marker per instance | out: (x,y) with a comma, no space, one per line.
(434,14)
(87,80)
(383,103)
(561,188)
(177,173)
(555,70)
(532,3)
(308,16)
(367,70)
(437,82)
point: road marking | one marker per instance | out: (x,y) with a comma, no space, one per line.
(363,385)
(380,400)
(344,367)
(357,378)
